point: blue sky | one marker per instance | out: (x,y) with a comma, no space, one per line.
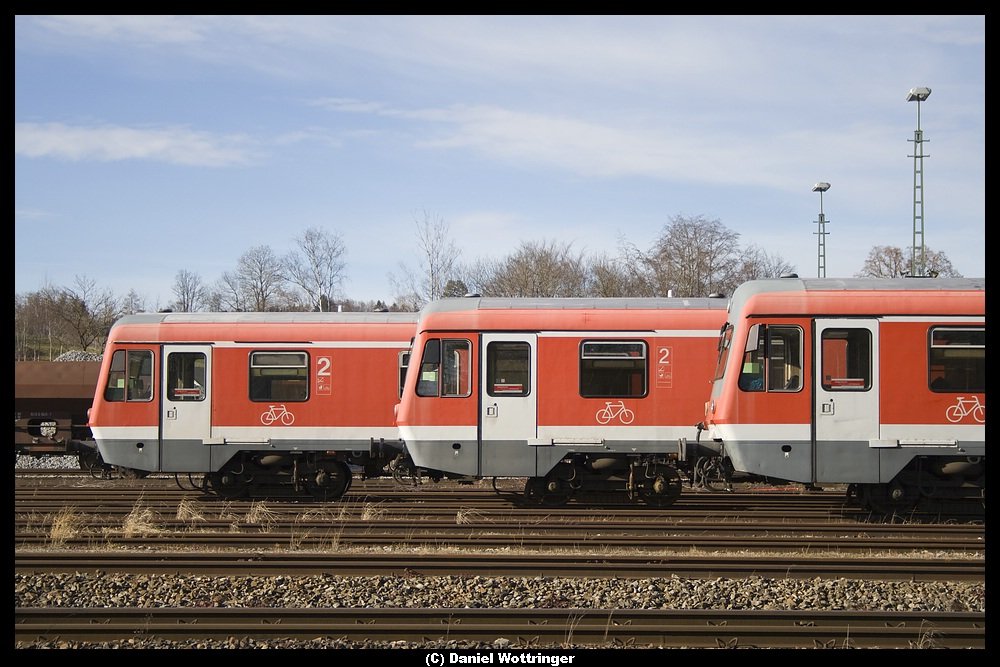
(145,145)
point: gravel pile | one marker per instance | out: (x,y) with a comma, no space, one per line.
(278,592)
(79,355)
(24,462)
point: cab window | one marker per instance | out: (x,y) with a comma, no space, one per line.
(773,359)
(130,377)
(445,368)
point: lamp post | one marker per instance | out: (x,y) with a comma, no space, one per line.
(918,95)
(821,248)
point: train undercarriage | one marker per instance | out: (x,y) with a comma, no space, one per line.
(643,480)
(927,484)
(309,476)
(649,480)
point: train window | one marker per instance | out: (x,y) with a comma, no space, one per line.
(773,359)
(186,376)
(130,377)
(404,364)
(725,341)
(613,369)
(784,358)
(508,368)
(847,360)
(752,370)
(279,376)
(957,359)
(445,369)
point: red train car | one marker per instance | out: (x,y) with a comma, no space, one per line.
(584,397)
(878,384)
(261,404)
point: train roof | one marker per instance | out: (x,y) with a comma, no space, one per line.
(259,327)
(569,313)
(860,296)
(266,318)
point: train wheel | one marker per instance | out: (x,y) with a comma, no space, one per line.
(330,481)
(550,492)
(89,459)
(663,490)
(227,484)
(894,498)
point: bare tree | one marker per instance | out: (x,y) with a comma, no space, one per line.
(893,262)
(694,257)
(476,275)
(258,284)
(539,269)
(438,259)
(133,303)
(37,330)
(938,264)
(756,263)
(455,288)
(228,294)
(189,290)
(261,277)
(624,275)
(317,267)
(86,312)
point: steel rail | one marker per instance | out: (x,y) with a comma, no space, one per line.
(525,628)
(524,565)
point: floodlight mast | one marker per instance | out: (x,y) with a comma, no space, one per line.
(917,259)
(821,245)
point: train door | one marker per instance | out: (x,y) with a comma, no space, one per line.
(847,400)
(508,399)
(187,400)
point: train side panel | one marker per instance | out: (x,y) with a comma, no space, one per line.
(892,384)
(178,404)
(545,385)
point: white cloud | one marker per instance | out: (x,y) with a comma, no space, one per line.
(109,143)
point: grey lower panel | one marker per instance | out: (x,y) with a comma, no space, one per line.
(891,461)
(450,456)
(196,457)
(846,462)
(514,458)
(837,462)
(134,454)
(790,461)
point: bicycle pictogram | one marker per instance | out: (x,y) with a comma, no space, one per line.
(965,407)
(275,413)
(612,410)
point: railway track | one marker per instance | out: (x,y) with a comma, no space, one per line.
(418,535)
(522,627)
(547,564)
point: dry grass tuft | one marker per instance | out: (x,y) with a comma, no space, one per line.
(261,514)
(65,525)
(464,516)
(140,521)
(190,511)
(372,512)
